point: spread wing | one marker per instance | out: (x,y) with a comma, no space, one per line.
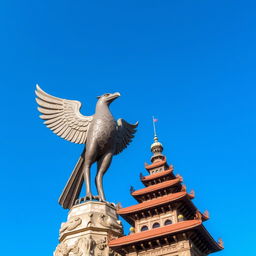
(63,117)
(125,133)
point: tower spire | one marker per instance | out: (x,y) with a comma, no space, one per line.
(157,147)
(154,120)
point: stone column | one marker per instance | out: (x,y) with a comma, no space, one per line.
(88,229)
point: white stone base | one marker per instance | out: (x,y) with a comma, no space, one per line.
(88,229)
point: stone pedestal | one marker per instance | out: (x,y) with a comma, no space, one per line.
(88,229)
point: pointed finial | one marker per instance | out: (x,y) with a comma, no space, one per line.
(220,242)
(154,127)
(156,147)
(131,189)
(207,214)
(118,206)
(198,215)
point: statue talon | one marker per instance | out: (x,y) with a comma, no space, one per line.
(88,196)
(101,199)
(103,135)
(96,197)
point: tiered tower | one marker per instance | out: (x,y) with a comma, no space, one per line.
(165,221)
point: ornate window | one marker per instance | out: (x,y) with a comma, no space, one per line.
(167,222)
(156,225)
(144,228)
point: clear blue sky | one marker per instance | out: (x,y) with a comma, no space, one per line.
(189,63)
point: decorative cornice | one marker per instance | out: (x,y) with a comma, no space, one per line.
(183,226)
(157,175)
(153,203)
(156,164)
(158,186)
(155,233)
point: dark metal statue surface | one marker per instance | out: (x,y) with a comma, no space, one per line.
(103,136)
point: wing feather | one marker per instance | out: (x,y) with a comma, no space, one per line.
(63,116)
(83,137)
(71,135)
(48,105)
(66,131)
(62,131)
(65,134)
(55,125)
(48,111)
(53,120)
(75,136)
(50,116)
(79,137)
(124,136)
(59,128)
(46,97)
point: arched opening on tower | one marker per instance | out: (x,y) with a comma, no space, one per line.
(156,225)
(144,228)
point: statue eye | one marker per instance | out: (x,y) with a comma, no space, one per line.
(107,94)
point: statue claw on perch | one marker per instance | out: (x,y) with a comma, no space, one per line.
(103,136)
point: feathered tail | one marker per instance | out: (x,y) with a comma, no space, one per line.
(74,185)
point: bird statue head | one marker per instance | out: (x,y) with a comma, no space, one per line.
(107,98)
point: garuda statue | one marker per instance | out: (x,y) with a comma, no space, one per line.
(103,136)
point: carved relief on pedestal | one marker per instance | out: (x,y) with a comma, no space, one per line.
(75,222)
(70,225)
(83,247)
(62,250)
(110,223)
(86,246)
(102,244)
(93,220)
(88,229)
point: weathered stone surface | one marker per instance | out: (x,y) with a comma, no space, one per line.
(88,229)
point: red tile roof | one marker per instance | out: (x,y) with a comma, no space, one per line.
(154,233)
(166,231)
(156,187)
(154,202)
(158,175)
(156,164)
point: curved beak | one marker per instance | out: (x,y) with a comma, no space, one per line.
(113,96)
(116,94)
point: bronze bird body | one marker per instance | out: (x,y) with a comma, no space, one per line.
(100,147)
(103,136)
